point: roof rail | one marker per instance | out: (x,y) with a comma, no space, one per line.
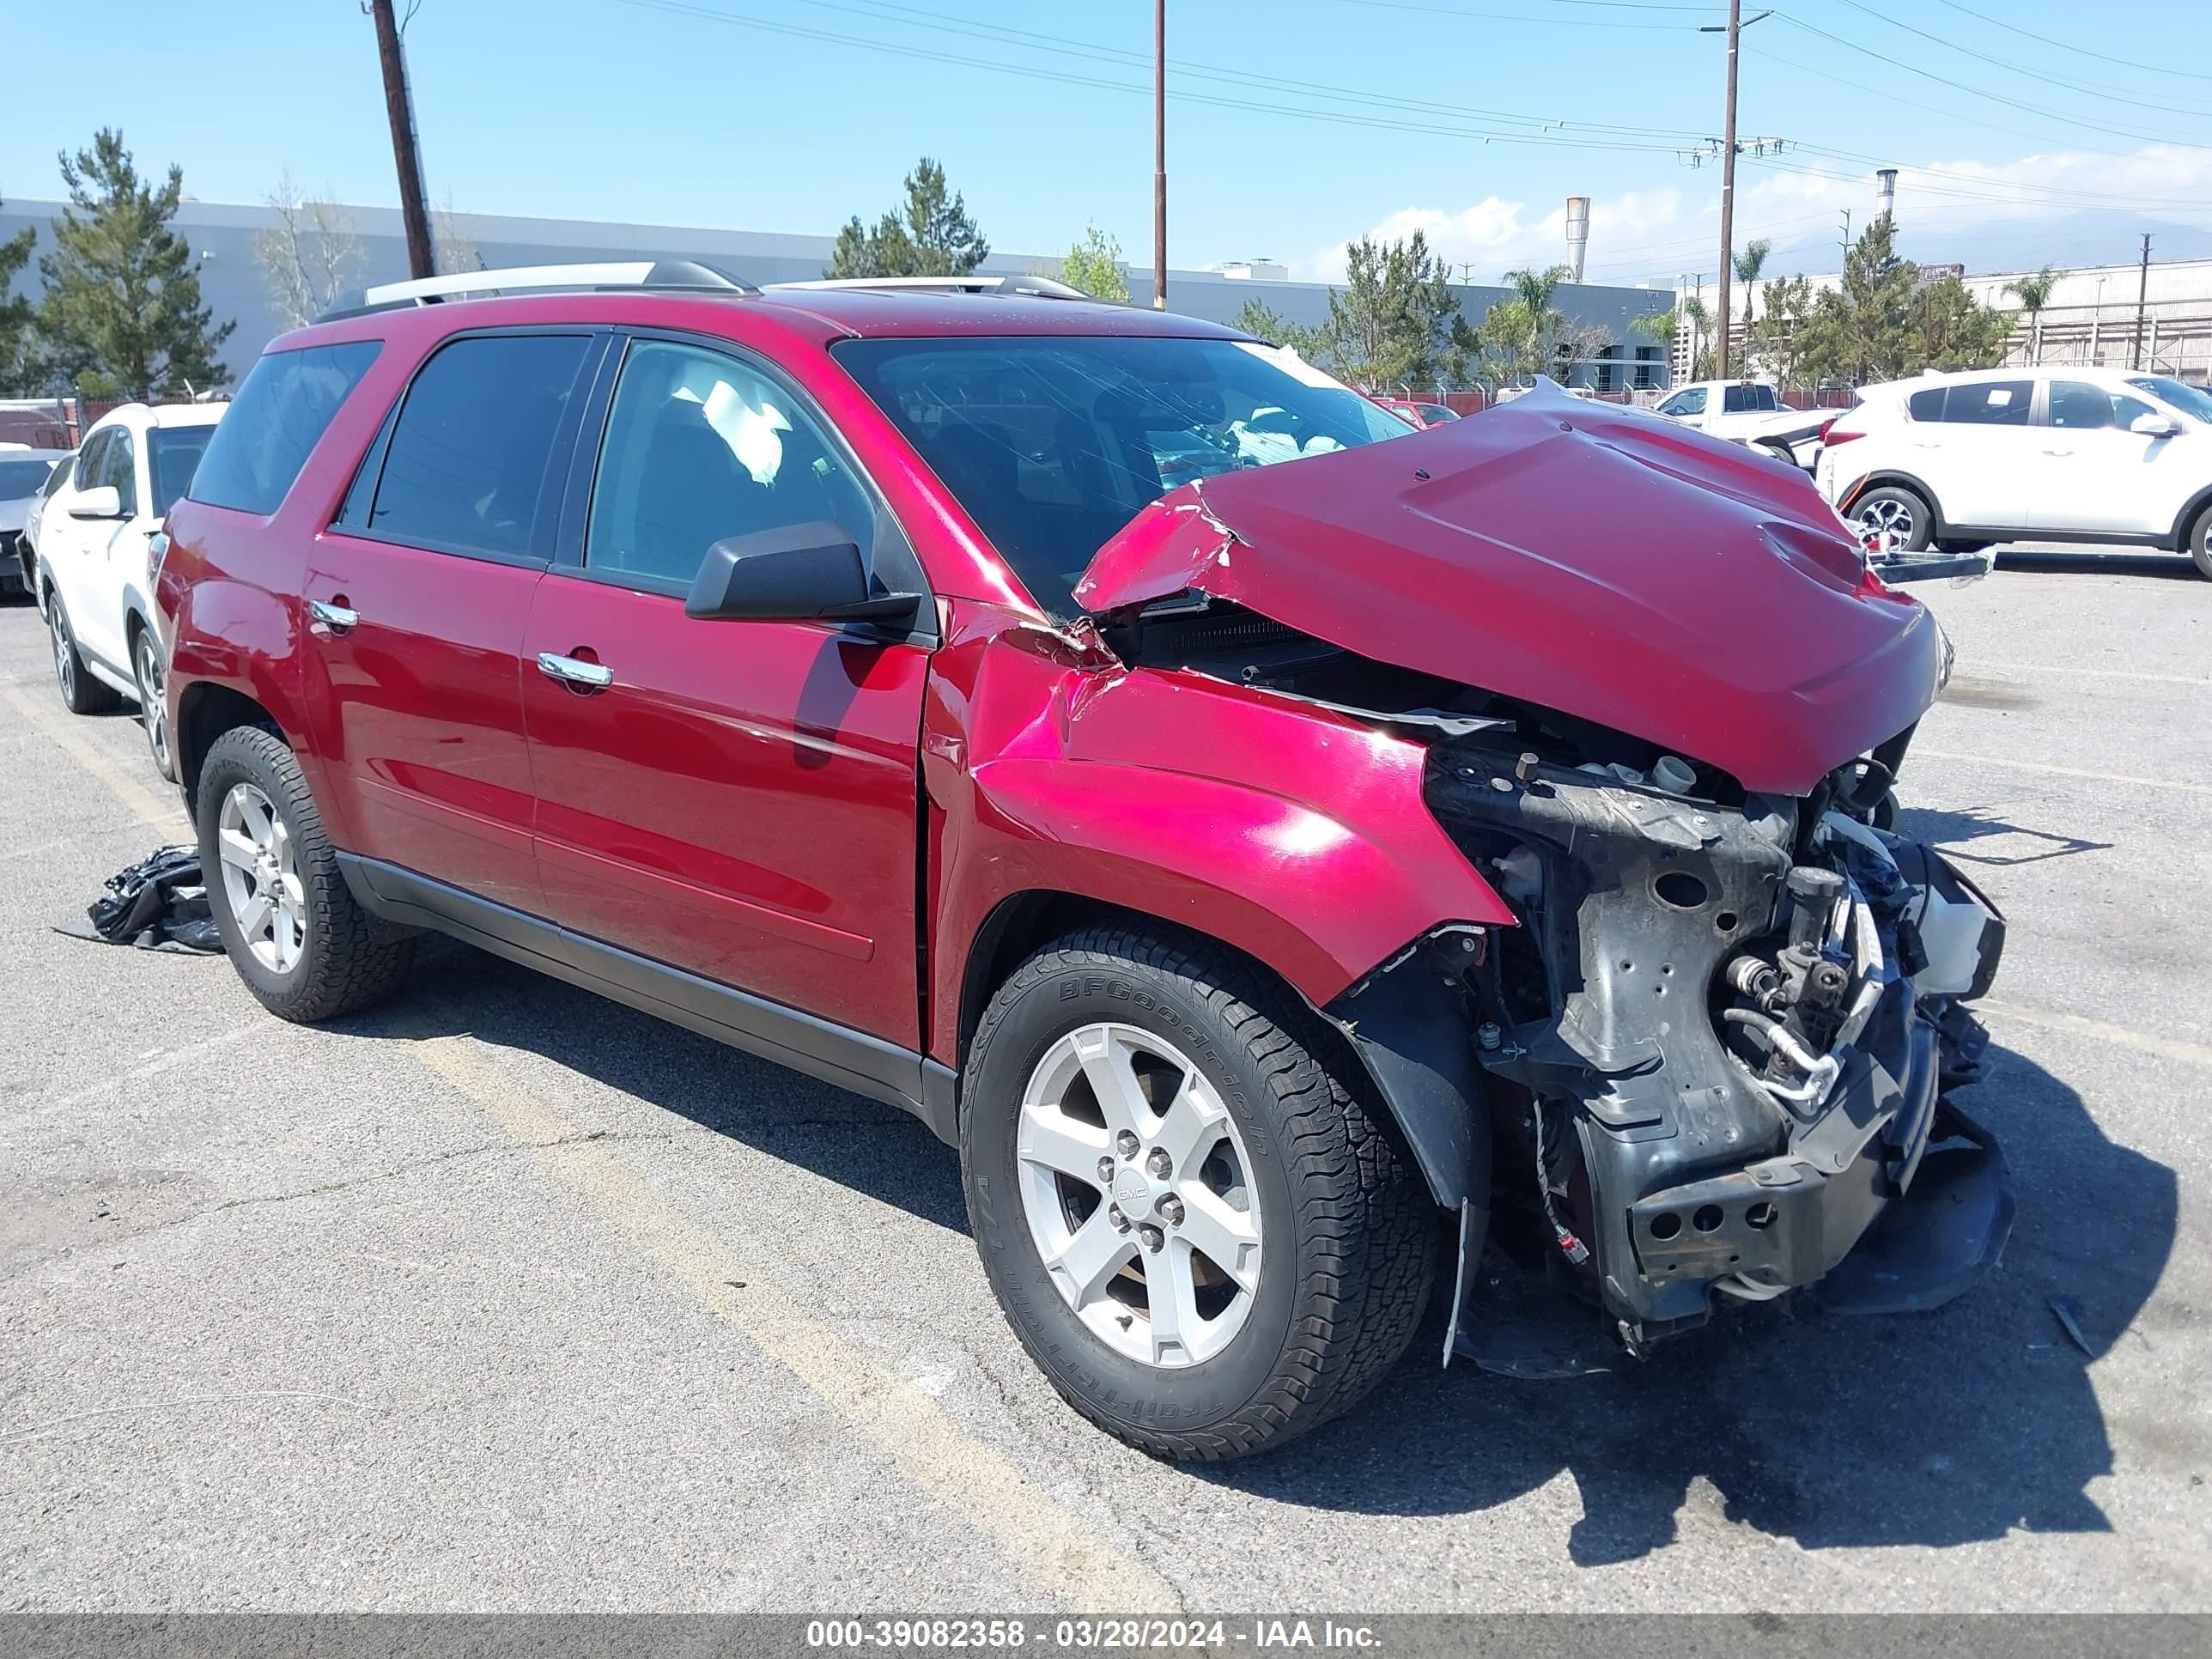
(1040,288)
(680,275)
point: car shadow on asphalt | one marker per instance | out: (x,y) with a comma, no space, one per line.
(1956,833)
(1932,1430)
(2174,566)
(892,1158)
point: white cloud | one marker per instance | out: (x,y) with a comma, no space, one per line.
(1639,234)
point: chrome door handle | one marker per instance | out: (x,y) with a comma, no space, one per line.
(573,671)
(336,618)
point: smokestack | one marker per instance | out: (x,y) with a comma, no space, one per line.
(1577,234)
(1888,177)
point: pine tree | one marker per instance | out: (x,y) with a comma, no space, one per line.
(18,373)
(1391,325)
(934,238)
(121,312)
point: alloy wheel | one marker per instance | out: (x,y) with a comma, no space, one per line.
(1890,519)
(1138,1194)
(153,690)
(64,653)
(261,878)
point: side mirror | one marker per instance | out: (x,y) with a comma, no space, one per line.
(101,501)
(801,573)
(2154,426)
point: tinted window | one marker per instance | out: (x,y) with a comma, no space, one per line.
(699,448)
(2176,394)
(278,417)
(1735,399)
(118,466)
(91,459)
(2077,405)
(1990,403)
(21,477)
(466,468)
(1052,444)
(173,452)
(1927,405)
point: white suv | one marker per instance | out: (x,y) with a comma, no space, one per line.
(97,553)
(2049,453)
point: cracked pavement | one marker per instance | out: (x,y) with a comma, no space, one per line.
(502,1297)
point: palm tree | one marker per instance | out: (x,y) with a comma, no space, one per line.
(1533,288)
(2035,294)
(1748,265)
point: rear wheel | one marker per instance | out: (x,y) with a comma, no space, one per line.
(1190,1212)
(81,693)
(289,922)
(1897,513)
(2200,542)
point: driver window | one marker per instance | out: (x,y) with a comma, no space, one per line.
(2077,405)
(699,448)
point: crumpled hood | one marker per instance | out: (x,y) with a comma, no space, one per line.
(1618,568)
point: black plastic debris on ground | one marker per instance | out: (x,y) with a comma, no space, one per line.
(159,902)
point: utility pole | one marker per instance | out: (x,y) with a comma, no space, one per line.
(399,106)
(1159,154)
(1736,25)
(2143,297)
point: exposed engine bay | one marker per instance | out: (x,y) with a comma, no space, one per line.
(1715,1055)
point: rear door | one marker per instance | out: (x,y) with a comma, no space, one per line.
(2093,474)
(737,799)
(417,598)
(1979,456)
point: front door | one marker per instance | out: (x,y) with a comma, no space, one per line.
(2096,474)
(735,798)
(416,601)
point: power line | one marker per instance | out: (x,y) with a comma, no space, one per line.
(2083,51)
(1920,104)
(680,8)
(2116,96)
(1953,86)
(1519,17)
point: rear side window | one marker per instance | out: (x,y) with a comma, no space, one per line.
(466,469)
(280,414)
(1992,403)
(1927,405)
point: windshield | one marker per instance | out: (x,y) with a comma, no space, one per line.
(176,452)
(1052,444)
(22,475)
(2174,394)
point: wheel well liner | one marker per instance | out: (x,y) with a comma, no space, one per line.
(205,712)
(2200,502)
(1414,1048)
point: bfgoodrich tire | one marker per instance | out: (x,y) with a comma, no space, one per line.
(1273,1245)
(289,922)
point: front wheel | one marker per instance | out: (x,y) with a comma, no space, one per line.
(152,676)
(1896,513)
(1190,1211)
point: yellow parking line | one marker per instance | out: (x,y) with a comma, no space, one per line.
(160,809)
(1054,1547)
(2063,771)
(2190,1054)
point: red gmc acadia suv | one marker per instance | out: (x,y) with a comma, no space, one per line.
(1283,863)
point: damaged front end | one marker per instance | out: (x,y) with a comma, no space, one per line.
(1727,1031)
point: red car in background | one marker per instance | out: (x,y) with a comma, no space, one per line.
(1276,882)
(1417,414)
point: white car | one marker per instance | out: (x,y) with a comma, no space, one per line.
(2050,453)
(25,475)
(1747,412)
(97,553)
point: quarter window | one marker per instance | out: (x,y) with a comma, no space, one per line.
(280,414)
(119,467)
(466,469)
(698,449)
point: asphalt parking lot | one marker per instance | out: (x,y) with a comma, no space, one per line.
(504,1297)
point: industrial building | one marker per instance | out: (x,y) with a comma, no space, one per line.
(232,284)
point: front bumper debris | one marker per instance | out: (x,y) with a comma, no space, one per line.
(1749,1019)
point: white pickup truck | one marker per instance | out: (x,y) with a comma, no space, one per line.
(1748,412)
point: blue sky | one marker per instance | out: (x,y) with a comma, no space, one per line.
(1294,124)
